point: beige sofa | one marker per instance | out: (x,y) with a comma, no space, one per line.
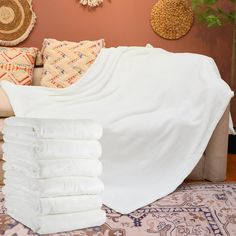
(212,165)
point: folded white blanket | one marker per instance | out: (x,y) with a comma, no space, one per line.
(53,168)
(30,149)
(54,187)
(49,206)
(60,222)
(54,128)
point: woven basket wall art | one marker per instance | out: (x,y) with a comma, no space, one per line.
(17,19)
(172,19)
(91,3)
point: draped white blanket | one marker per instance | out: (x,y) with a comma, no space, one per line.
(158,111)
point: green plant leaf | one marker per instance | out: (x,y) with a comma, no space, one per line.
(230,16)
(208,12)
(194,4)
(220,11)
(213,20)
(210,2)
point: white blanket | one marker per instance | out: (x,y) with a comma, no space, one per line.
(41,149)
(50,206)
(53,168)
(60,222)
(54,187)
(54,128)
(158,111)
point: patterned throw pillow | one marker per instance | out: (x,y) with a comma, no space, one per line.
(17,64)
(65,62)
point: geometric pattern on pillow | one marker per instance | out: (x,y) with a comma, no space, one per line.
(17,64)
(66,62)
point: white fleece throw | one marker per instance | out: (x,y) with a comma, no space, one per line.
(53,168)
(50,205)
(32,149)
(54,128)
(54,187)
(56,223)
(158,111)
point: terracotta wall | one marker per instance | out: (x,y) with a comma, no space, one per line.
(125,22)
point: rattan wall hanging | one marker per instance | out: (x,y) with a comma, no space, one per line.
(172,19)
(17,19)
(91,3)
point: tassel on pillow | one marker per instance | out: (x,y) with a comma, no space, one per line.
(84,2)
(91,3)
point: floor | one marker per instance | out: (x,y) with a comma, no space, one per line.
(231,171)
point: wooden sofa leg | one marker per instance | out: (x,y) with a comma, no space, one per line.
(215,168)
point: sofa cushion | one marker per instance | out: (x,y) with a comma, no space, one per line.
(37,76)
(5,105)
(16,64)
(66,62)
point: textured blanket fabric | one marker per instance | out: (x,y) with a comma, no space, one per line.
(158,111)
(30,150)
(54,168)
(54,187)
(53,128)
(50,206)
(194,209)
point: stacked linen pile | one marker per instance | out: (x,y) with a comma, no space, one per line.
(51,173)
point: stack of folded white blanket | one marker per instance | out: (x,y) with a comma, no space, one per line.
(51,173)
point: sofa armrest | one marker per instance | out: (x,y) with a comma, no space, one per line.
(215,163)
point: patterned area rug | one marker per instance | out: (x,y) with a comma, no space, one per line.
(199,209)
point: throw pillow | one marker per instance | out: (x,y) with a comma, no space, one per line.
(17,64)
(65,62)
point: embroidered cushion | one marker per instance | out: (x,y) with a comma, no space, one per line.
(65,62)
(17,64)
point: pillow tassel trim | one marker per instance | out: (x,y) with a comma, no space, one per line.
(91,3)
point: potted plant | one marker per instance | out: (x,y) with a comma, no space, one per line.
(212,14)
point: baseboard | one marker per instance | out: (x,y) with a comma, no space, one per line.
(232,144)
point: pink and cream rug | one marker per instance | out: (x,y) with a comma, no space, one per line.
(199,209)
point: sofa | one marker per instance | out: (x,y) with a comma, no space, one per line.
(212,166)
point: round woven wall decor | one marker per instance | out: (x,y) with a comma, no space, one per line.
(172,19)
(17,19)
